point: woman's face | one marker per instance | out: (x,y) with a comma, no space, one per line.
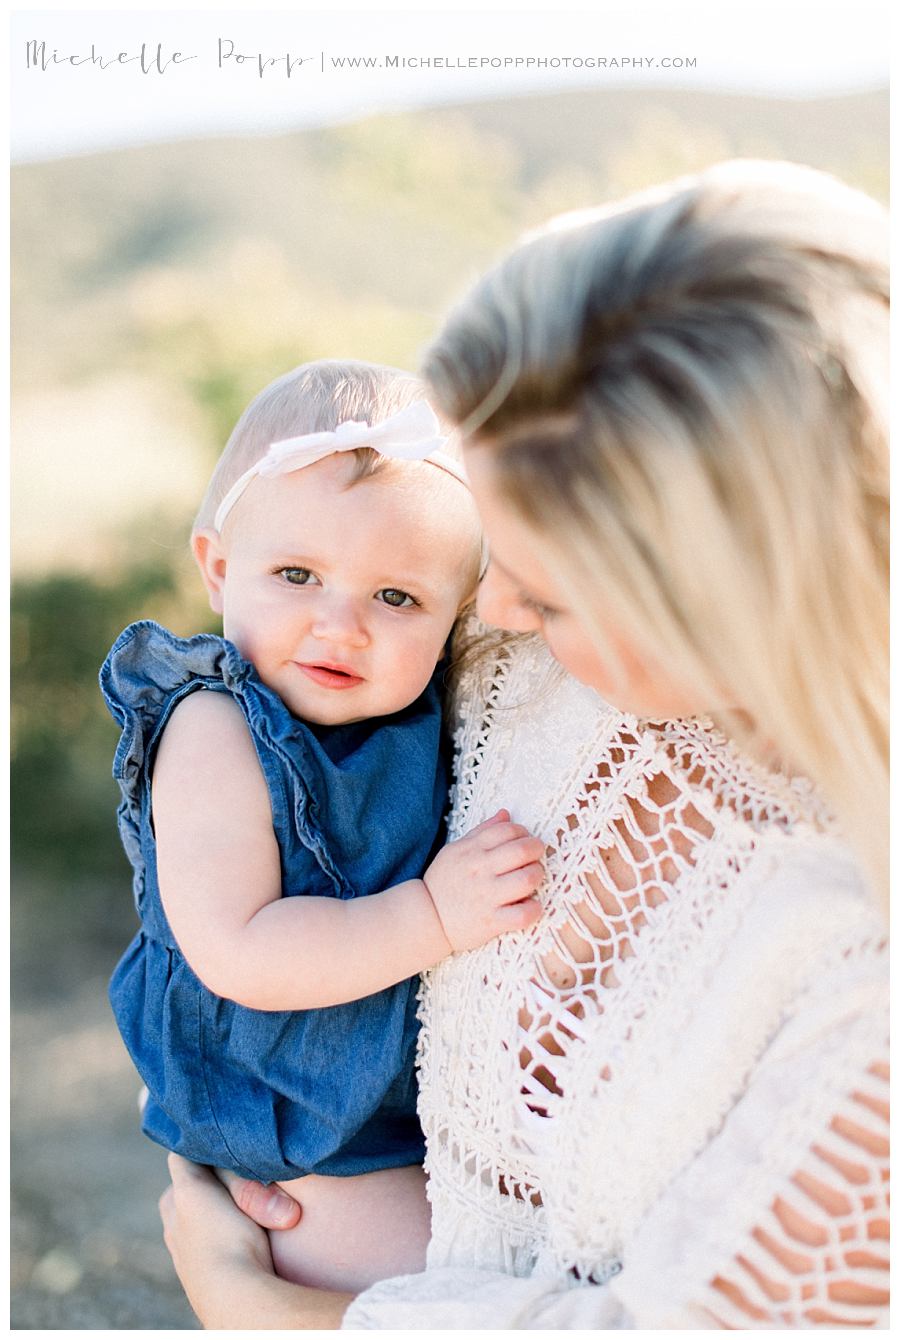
(518,593)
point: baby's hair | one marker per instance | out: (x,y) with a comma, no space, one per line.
(313,398)
(684,397)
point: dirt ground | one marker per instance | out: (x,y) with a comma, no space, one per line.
(86,1244)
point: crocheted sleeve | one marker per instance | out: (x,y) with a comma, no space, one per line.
(782,1221)
(715,1060)
(812,1254)
(819,1254)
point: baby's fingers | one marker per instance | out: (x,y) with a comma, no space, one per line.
(519,916)
(500,818)
(499,835)
(520,883)
(517,852)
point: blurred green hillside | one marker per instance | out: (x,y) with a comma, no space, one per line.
(155,290)
(177,258)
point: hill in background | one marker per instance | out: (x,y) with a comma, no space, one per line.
(156,289)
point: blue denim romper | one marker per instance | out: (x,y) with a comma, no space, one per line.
(275,1094)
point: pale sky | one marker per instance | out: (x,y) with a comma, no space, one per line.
(784,48)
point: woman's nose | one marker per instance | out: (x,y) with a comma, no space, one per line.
(498,603)
(340,621)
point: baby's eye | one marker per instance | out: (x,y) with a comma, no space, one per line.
(298,576)
(397,599)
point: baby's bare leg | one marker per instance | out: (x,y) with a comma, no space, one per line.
(355,1230)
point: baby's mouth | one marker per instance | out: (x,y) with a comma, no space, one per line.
(328,675)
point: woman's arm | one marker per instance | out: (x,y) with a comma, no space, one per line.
(220,881)
(820,1254)
(223,1261)
(813,1255)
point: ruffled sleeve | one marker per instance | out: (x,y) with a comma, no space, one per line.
(147,672)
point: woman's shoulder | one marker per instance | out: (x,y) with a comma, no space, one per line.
(787,865)
(501,679)
(739,784)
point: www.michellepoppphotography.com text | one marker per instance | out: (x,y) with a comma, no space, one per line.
(155,58)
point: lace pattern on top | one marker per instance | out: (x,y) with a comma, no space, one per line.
(702,922)
(819,1254)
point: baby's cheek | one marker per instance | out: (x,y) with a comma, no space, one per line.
(242,638)
(420,660)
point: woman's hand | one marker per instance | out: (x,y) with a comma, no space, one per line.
(211,1243)
(268,1206)
(223,1261)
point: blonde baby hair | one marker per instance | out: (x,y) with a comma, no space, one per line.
(685,399)
(313,398)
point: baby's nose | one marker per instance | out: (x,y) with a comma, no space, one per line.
(341,621)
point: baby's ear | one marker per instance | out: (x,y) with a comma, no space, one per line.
(206,546)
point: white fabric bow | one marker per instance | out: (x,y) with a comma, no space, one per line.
(412,434)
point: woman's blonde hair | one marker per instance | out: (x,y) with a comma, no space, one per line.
(685,400)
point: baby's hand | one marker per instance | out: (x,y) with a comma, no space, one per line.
(484,883)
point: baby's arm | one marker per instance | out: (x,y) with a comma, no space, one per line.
(220,881)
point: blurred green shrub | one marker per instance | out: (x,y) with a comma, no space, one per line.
(63,738)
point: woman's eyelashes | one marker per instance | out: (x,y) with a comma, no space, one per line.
(392,596)
(535,607)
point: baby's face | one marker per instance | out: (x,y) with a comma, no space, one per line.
(343,597)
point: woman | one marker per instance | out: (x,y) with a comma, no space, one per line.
(665,1105)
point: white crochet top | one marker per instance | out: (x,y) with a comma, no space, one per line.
(664,1105)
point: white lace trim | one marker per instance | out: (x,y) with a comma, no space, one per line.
(692,984)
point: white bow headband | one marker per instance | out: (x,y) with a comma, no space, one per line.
(412,434)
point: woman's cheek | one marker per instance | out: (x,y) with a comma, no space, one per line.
(576,654)
(627,682)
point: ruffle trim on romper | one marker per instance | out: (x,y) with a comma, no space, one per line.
(147,673)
